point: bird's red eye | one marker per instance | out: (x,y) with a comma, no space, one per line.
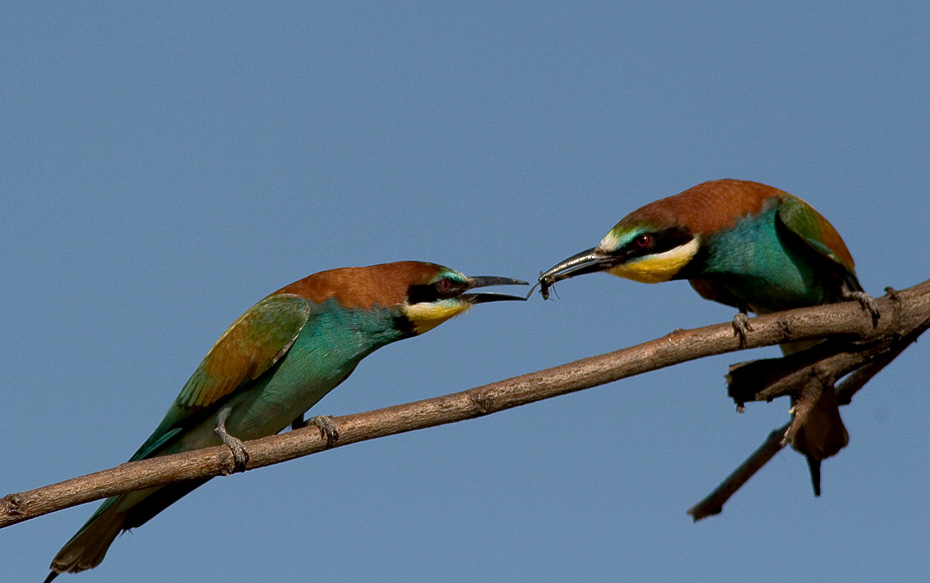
(444,286)
(644,241)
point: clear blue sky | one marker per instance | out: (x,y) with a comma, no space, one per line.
(164,167)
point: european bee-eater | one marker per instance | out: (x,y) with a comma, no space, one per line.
(742,244)
(275,362)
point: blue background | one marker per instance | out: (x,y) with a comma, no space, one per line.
(163,167)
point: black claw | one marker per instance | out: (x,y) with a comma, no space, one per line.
(327,428)
(867,302)
(240,456)
(239,453)
(741,327)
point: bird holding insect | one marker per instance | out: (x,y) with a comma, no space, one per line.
(742,244)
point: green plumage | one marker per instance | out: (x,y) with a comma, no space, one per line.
(309,349)
(275,362)
(313,347)
(743,244)
(776,260)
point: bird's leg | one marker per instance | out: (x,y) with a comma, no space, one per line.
(741,325)
(866,301)
(239,453)
(327,428)
(299,422)
(323,422)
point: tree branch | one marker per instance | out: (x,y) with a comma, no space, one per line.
(901,315)
(713,503)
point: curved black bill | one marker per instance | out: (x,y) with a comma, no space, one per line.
(588,261)
(487,281)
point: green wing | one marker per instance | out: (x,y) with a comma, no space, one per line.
(248,348)
(819,235)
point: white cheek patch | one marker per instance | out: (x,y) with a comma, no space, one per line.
(609,242)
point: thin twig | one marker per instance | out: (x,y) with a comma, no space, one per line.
(713,503)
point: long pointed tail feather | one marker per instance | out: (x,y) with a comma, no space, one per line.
(87,548)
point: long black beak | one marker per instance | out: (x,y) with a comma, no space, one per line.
(486,281)
(589,261)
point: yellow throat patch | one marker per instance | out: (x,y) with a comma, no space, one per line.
(427,315)
(659,267)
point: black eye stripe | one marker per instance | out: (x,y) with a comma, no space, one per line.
(653,243)
(444,288)
(449,288)
(421,293)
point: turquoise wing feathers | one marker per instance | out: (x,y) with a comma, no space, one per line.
(247,349)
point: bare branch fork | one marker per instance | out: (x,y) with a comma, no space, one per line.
(856,345)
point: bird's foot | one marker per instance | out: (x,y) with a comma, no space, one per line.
(239,453)
(327,428)
(867,302)
(325,424)
(741,327)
